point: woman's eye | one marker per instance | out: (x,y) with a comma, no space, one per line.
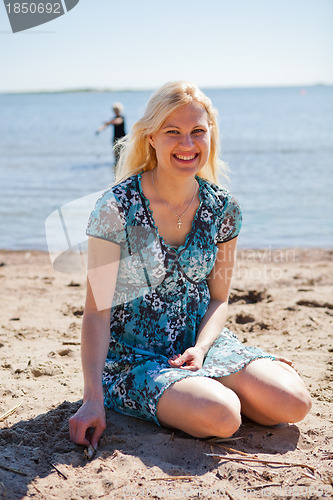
(172,132)
(198,131)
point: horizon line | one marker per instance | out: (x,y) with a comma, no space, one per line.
(150,89)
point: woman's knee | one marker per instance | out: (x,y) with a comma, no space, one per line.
(292,406)
(296,401)
(223,418)
(298,404)
(201,407)
(270,392)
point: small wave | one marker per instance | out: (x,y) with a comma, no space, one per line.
(241,152)
(89,166)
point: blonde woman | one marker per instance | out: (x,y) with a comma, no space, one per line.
(161,253)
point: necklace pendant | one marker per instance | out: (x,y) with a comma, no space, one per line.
(179,223)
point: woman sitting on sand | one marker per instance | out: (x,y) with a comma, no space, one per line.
(160,258)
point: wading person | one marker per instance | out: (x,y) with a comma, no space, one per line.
(118,122)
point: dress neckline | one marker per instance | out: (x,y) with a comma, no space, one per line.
(149,211)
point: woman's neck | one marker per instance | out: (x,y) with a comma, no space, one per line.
(174,191)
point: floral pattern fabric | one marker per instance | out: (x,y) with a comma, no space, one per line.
(162,295)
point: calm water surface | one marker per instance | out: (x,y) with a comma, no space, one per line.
(278,143)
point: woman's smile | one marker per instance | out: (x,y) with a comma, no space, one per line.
(183,140)
(185,158)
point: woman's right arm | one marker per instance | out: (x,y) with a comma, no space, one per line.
(103,262)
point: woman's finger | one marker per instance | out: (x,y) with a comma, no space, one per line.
(285,360)
(177,359)
(81,433)
(98,431)
(192,368)
(72,428)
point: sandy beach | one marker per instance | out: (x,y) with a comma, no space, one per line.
(281,300)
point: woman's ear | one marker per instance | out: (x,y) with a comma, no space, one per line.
(151,140)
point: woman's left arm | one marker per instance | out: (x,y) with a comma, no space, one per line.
(212,323)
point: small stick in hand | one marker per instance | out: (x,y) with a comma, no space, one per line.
(90,452)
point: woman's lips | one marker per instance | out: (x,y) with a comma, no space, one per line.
(186,157)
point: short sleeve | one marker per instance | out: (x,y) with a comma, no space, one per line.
(231,220)
(107,220)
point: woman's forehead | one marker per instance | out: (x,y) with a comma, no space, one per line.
(192,112)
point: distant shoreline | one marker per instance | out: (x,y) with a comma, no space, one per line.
(116,90)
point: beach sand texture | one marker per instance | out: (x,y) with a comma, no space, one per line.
(281,300)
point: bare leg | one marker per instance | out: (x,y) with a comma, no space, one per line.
(201,407)
(270,392)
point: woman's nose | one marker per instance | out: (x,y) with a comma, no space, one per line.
(186,141)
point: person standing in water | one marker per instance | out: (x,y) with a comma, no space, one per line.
(119,132)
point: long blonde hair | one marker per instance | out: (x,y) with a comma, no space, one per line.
(137,154)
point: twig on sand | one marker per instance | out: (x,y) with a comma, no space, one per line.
(233,450)
(308,474)
(262,461)
(9,412)
(223,440)
(173,478)
(260,473)
(229,495)
(32,484)
(261,486)
(58,471)
(10,469)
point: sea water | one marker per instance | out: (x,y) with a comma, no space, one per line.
(278,143)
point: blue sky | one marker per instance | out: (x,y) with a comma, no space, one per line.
(144,43)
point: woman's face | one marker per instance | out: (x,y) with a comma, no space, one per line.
(182,144)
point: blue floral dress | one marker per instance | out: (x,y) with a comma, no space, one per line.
(162,295)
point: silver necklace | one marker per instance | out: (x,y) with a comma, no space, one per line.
(179,217)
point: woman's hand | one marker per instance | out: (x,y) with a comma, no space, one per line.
(191,359)
(90,415)
(286,361)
